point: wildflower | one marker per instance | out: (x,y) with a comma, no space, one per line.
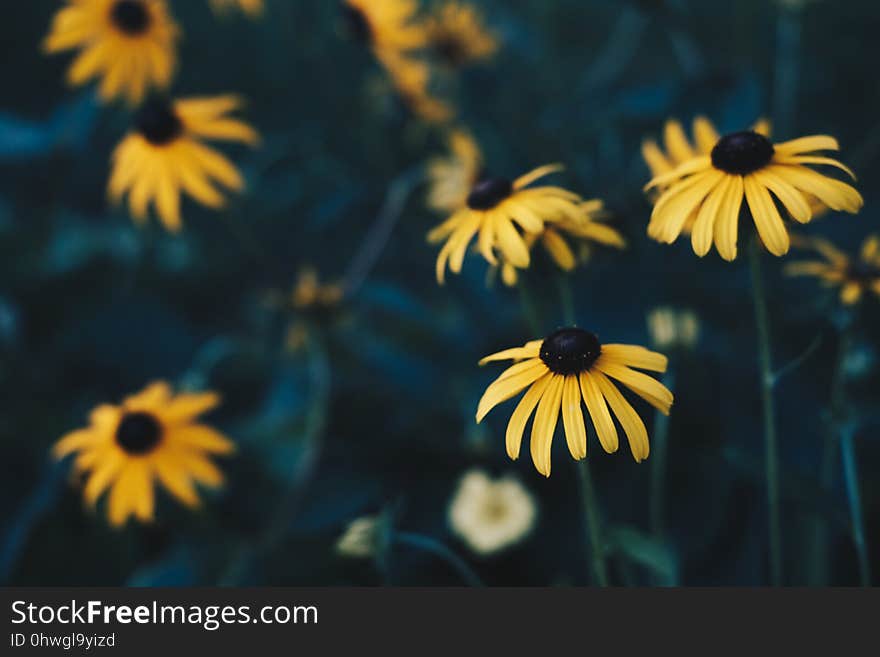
(164,154)
(457,35)
(151,437)
(553,239)
(491,515)
(854,276)
(491,209)
(567,366)
(128,44)
(671,328)
(252,8)
(746,165)
(360,539)
(452,178)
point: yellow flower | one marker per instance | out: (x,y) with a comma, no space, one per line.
(457,34)
(746,165)
(671,328)
(491,515)
(129,44)
(164,155)
(411,78)
(492,207)
(452,178)
(151,437)
(360,539)
(309,292)
(854,276)
(252,8)
(568,366)
(553,239)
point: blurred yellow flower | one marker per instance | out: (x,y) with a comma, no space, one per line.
(671,328)
(164,155)
(452,178)
(583,233)
(491,209)
(252,8)
(854,276)
(360,539)
(566,367)
(709,188)
(457,35)
(128,44)
(491,515)
(151,437)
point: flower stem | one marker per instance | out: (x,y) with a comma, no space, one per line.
(528,307)
(658,465)
(851,478)
(428,544)
(765,361)
(593,524)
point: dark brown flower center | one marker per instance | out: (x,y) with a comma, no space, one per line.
(138,433)
(742,153)
(158,123)
(357,24)
(130,16)
(488,193)
(570,351)
(451,49)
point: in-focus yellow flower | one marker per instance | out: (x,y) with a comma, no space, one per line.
(164,155)
(854,276)
(456,33)
(151,437)
(491,209)
(252,8)
(568,366)
(452,178)
(490,516)
(128,44)
(746,165)
(360,539)
(555,240)
(671,328)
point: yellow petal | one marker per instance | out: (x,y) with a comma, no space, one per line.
(573,418)
(599,413)
(544,425)
(632,424)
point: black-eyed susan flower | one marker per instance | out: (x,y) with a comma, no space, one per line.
(451,178)
(711,187)
(152,437)
(164,155)
(558,373)
(492,211)
(557,240)
(491,515)
(854,276)
(252,8)
(128,44)
(457,34)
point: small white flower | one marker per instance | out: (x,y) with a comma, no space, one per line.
(360,539)
(491,515)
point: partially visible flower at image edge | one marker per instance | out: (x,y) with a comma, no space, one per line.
(567,367)
(164,156)
(252,8)
(128,44)
(855,276)
(491,515)
(707,190)
(152,438)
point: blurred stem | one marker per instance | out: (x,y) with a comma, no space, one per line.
(383,226)
(567,298)
(301,477)
(593,524)
(529,309)
(658,465)
(765,360)
(431,546)
(857,520)
(788,42)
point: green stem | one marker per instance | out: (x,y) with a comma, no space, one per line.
(567,298)
(528,307)
(658,465)
(427,544)
(593,524)
(851,478)
(765,361)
